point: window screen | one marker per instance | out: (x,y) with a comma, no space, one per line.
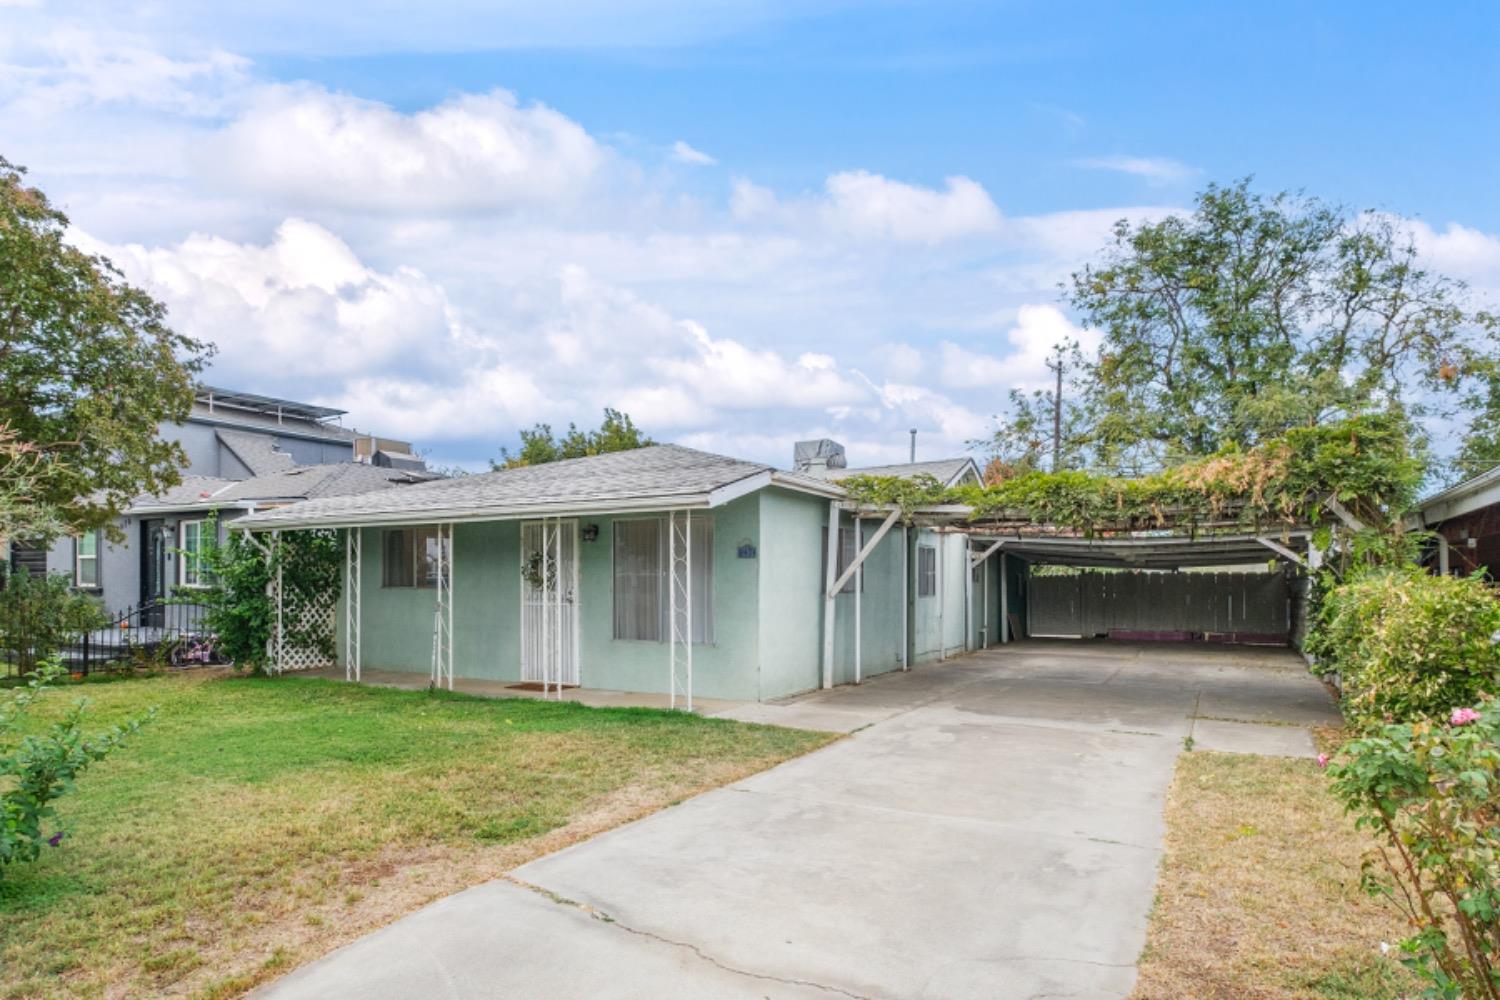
(639,594)
(848,550)
(409,557)
(926,571)
(641,577)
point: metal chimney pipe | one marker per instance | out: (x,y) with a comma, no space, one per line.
(913,446)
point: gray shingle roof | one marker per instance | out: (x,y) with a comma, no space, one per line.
(257,451)
(301,482)
(659,475)
(944,470)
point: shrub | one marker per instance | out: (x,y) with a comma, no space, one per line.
(1409,645)
(238,611)
(38,614)
(1430,792)
(38,768)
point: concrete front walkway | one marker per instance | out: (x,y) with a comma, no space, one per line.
(992,832)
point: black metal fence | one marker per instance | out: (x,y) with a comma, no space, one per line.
(151,633)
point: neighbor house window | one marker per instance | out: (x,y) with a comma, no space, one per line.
(193,539)
(926,571)
(642,576)
(86,560)
(410,557)
(848,550)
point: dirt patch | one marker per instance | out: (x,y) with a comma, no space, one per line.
(1258,896)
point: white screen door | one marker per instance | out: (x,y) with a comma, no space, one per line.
(549,602)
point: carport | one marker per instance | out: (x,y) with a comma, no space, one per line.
(1165,585)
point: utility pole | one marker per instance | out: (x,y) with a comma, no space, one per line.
(1056,364)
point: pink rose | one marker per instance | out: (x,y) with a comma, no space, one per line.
(1463,716)
(1323,760)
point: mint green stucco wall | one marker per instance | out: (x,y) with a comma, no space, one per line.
(397,622)
(790,584)
(724,669)
(927,615)
(768,610)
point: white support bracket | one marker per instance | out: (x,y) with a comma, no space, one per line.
(976,560)
(863,554)
(1350,521)
(1283,552)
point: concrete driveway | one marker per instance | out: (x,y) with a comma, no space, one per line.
(992,831)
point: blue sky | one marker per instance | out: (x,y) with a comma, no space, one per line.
(745,223)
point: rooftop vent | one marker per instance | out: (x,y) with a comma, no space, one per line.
(815,458)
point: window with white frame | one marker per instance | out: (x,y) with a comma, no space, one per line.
(193,540)
(642,576)
(409,557)
(86,560)
(848,551)
(926,571)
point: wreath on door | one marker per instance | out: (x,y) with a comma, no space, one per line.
(540,573)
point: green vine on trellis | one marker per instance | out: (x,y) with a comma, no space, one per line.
(1365,462)
(312,570)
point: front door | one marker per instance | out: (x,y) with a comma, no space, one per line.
(549,602)
(155,547)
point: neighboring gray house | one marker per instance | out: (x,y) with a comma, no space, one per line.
(245,452)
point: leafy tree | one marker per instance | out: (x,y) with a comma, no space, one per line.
(538,446)
(1257,314)
(88,367)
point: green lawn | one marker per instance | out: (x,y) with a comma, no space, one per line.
(258,823)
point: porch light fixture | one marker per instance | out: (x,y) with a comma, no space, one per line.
(590,532)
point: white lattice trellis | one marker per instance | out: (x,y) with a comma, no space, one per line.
(305,596)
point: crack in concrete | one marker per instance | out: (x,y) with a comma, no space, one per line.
(604,917)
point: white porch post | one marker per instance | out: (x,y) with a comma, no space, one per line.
(1443,556)
(448,561)
(1004,601)
(859,586)
(557,649)
(829,590)
(353,578)
(968,596)
(905,594)
(942,541)
(280,647)
(680,608)
(984,600)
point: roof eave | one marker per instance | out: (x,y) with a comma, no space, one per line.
(522,512)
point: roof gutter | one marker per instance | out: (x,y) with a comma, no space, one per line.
(698,501)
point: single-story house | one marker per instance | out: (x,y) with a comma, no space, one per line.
(663,569)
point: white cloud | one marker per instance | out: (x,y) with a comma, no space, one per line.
(1152,169)
(302,303)
(66,68)
(1035,331)
(683,153)
(476,152)
(866,204)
